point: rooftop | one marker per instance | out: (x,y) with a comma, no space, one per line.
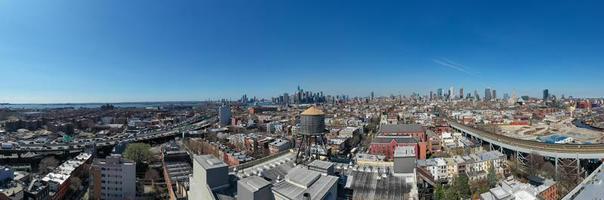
(302,177)
(313,111)
(254,183)
(300,181)
(401,128)
(593,189)
(209,161)
(320,164)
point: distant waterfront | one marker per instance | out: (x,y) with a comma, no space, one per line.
(97,105)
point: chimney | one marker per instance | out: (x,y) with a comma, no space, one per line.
(306,196)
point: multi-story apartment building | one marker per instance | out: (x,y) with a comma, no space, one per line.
(113,178)
(475,166)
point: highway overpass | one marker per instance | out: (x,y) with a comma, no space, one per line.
(571,151)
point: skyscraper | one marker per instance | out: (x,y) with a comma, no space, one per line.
(452,93)
(439,92)
(372,95)
(545,95)
(461,93)
(476,96)
(494,96)
(285,99)
(487,94)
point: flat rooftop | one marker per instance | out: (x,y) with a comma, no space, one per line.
(254,183)
(209,161)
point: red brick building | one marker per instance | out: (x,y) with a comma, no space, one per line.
(550,193)
(385,145)
(414,130)
(399,132)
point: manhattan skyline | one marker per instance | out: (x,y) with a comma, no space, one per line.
(115,51)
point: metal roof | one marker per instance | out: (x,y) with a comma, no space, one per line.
(320,164)
(254,183)
(401,128)
(293,188)
(313,111)
(302,177)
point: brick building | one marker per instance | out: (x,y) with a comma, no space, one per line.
(385,145)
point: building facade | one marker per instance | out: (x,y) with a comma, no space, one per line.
(113,178)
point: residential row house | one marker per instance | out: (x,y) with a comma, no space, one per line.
(475,166)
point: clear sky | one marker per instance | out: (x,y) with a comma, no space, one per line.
(147,50)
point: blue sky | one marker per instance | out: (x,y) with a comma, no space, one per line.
(146,50)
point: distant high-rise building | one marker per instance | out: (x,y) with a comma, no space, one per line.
(506,96)
(224,115)
(286,99)
(113,178)
(487,94)
(439,92)
(476,96)
(431,95)
(372,95)
(513,99)
(494,96)
(545,95)
(461,93)
(452,93)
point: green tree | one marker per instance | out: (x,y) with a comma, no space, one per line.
(451,194)
(462,187)
(439,192)
(492,176)
(138,152)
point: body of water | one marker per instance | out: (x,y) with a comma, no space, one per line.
(97,105)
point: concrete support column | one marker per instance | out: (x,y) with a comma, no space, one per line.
(579,173)
(556,167)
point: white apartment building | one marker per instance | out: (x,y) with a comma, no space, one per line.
(113,178)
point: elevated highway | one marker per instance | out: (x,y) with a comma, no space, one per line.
(187,125)
(571,151)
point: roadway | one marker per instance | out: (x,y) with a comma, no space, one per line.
(575,151)
(80,144)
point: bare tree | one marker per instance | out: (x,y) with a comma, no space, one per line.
(535,163)
(152,174)
(548,170)
(47,164)
(75,184)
